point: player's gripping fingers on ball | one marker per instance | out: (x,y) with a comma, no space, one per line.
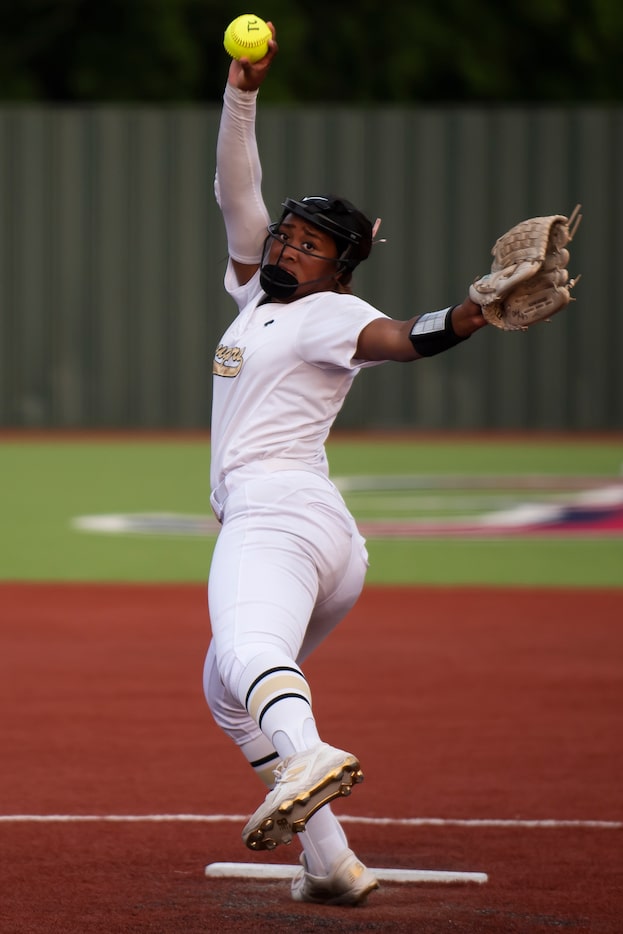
(247,75)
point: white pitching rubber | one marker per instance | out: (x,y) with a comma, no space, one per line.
(283,871)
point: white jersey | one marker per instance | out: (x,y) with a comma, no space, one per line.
(281,374)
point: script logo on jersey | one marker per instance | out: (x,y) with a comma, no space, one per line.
(228,360)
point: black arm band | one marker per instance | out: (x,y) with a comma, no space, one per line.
(433,333)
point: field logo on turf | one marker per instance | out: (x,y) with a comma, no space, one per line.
(444,506)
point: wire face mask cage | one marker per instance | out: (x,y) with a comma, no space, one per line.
(350,229)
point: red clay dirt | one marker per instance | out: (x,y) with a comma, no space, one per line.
(470,705)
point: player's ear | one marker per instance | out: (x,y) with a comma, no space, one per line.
(344,275)
(343,282)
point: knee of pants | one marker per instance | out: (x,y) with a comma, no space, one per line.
(239,665)
(232,664)
(228,713)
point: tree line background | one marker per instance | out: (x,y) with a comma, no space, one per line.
(159,51)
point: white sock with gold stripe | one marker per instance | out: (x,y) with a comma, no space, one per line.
(279,700)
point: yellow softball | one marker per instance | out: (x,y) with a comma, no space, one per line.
(247,37)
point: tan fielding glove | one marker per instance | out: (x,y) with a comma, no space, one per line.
(528,281)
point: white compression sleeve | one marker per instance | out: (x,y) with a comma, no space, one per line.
(238,181)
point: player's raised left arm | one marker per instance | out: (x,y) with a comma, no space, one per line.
(420,336)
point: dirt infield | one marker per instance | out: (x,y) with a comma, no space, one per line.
(488,723)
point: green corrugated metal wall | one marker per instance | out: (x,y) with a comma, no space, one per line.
(112,255)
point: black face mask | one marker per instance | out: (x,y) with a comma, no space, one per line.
(277,282)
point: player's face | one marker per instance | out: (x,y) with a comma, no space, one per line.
(307,252)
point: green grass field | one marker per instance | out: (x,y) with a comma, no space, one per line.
(48,483)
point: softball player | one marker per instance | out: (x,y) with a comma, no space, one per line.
(289,562)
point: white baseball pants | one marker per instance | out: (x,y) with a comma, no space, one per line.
(289,563)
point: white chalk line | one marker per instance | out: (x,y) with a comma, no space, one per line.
(546,824)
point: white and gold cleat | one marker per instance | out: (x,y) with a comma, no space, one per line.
(348,883)
(304,782)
